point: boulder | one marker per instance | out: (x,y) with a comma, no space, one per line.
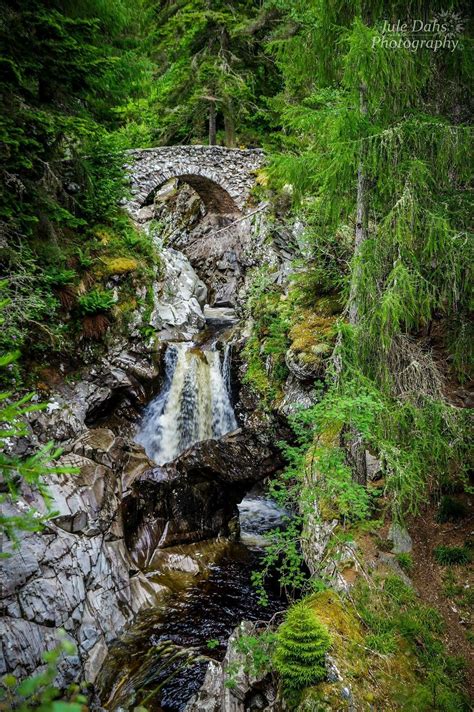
(195,497)
(402,542)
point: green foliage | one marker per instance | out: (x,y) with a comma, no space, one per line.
(266,348)
(95,302)
(301,645)
(284,557)
(60,276)
(317,469)
(38,692)
(452,555)
(208,55)
(394,619)
(66,71)
(410,275)
(405,560)
(258,650)
(420,446)
(16,471)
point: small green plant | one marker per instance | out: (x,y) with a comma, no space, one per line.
(405,560)
(452,555)
(450,510)
(451,587)
(301,646)
(258,651)
(95,302)
(212,644)
(384,642)
(60,276)
(84,258)
(282,555)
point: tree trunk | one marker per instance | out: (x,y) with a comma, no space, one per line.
(229,127)
(361,218)
(212,123)
(356,454)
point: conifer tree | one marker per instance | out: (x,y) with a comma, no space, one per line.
(302,643)
(211,69)
(375,141)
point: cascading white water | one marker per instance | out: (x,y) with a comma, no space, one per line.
(193,404)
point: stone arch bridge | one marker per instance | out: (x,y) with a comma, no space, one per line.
(223,177)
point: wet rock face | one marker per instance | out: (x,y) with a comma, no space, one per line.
(217,246)
(196,496)
(247,691)
(123,379)
(76,573)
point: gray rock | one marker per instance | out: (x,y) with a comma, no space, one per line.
(195,497)
(76,573)
(296,395)
(216,695)
(390,561)
(178,298)
(402,542)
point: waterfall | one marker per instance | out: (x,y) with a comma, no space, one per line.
(193,404)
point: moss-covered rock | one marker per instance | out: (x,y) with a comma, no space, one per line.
(119,265)
(312,338)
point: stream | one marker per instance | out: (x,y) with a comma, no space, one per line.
(161,660)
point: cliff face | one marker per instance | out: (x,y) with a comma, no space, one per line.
(85,571)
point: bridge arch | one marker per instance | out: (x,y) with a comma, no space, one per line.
(222,177)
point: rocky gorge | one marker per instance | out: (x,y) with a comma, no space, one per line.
(120,518)
(172,432)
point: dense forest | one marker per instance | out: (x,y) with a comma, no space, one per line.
(363,112)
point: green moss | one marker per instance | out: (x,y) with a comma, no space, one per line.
(119,265)
(385,629)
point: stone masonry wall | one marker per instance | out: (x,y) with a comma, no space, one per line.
(223,177)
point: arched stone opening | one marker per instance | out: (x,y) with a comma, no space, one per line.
(216,199)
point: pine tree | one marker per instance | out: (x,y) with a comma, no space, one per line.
(211,69)
(302,643)
(375,141)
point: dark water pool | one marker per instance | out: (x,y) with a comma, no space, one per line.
(161,661)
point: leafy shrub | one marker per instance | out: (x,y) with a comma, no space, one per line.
(452,555)
(95,302)
(302,643)
(450,510)
(258,651)
(15,471)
